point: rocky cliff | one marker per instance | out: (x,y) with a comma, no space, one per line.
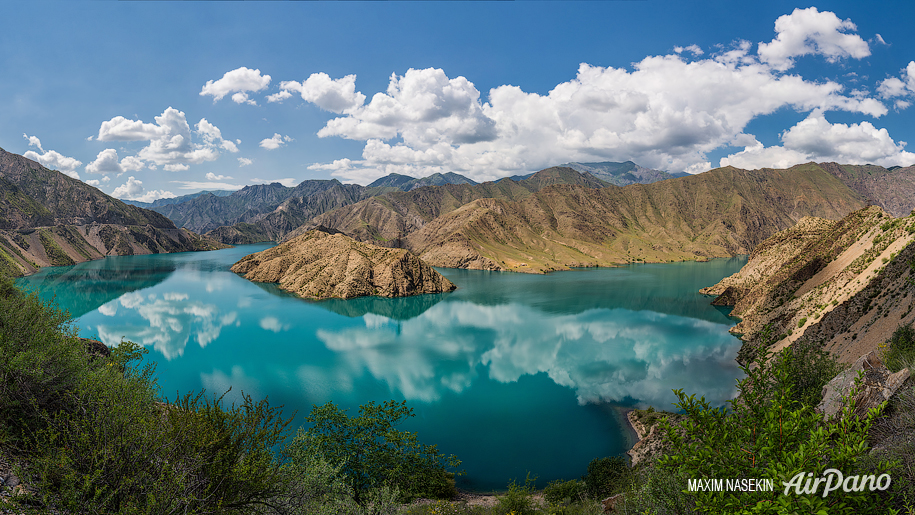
(49,219)
(892,189)
(847,284)
(321,265)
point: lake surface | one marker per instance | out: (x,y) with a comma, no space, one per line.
(513,373)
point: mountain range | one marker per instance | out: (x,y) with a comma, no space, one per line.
(175,200)
(407,183)
(553,219)
(505,226)
(251,207)
(625,173)
(50,219)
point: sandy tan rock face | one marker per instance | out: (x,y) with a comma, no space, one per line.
(320,265)
(846,284)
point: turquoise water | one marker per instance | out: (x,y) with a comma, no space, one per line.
(513,373)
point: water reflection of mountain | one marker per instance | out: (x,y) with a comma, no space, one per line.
(400,308)
(84,287)
(669,288)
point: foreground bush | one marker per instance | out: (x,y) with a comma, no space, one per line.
(768,434)
(564,493)
(96,439)
(807,368)
(373,454)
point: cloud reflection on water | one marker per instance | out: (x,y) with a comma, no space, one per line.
(172,320)
(604,355)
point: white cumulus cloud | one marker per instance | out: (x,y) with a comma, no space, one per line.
(52,159)
(244,161)
(334,95)
(816,139)
(213,177)
(693,49)
(665,113)
(33,141)
(275,142)
(133,190)
(238,81)
(170,140)
(197,185)
(107,162)
(901,89)
(808,31)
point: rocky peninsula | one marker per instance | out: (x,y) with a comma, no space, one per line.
(328,264)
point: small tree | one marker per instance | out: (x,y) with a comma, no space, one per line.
(605,476)
(769,434)
(372,453)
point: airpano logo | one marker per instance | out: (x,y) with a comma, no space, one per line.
(834,480)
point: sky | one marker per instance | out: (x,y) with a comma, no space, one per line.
(149,100)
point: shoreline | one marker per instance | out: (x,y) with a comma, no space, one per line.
(632,435)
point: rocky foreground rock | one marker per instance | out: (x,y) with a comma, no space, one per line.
(876,386)
(322,265)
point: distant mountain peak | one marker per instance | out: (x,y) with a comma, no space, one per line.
(408,183)
(624,173)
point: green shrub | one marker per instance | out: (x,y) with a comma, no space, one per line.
(656,491)
(809,367)
(767,434)
(372,453)
(126,453)
(605,476)
(519,500)
(564,492)
(41,362)
(97,439)
(900,351)
(801,322)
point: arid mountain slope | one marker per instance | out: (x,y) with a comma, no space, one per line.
(288,216)
(267,212)
(321,265)
(718,213)
(207,212)
(846,283)
(387,219)
(893,190)
(49,219)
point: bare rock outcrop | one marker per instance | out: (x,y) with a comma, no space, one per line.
(877,385)
(321,265)
(651,444)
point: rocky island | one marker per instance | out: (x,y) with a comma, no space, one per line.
(323,264)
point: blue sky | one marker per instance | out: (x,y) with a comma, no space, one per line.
(153,99)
